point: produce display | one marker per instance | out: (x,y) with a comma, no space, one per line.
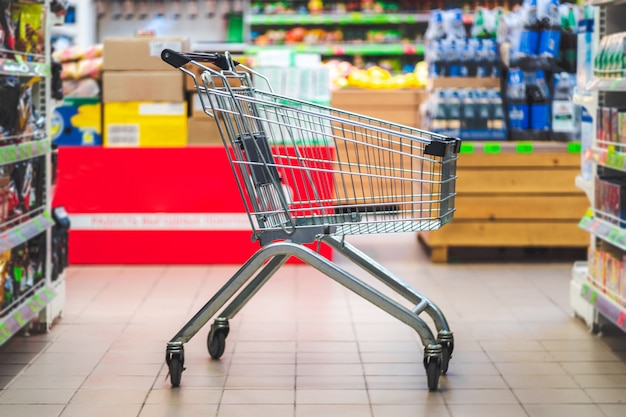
(345,74)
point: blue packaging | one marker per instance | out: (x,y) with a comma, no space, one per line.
(529,42)
(77,122)
(540,117)
(549,43)
(518,116)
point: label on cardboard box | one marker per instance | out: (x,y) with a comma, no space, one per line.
(122,134)
(156,47)
(162,109)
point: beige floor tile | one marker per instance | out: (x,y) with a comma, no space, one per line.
(578,345)
(563,410)
(474,396)
(337,396)
(178,410)
(469,369)
(510,346)
(110,396)
(552,396)
(118,382)
(396,381)
(31,410)
(543,381)
(393,357)
(326,382)
(262,369)
(594,368)
(304,358)
(330,369)
(600,355)
(613,410)
(409,410)
(311,346)
(606,395)
(260,382)
(531,356)
(36,396)
(83,410)
(47,382)
(484,410)
(260,410)
(475,381)
(191,381)
(394,369)
(185,395)
(264,357)
(330,410)
(530,368)
(272,347)
(258,396)
(396,396)
(601,381)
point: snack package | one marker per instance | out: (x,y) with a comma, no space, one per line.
(89,68)
(16,108)
(5,297)
(27,20)
(7,35)
(69,71)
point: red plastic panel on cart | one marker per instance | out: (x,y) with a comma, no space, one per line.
(105,181)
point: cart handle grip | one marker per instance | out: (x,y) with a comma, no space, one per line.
(177,59)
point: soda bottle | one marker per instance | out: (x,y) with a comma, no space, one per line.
(539,100)
(482,60)
(516,95)
(482,109)
(496,112)
(468,109)
(454,109)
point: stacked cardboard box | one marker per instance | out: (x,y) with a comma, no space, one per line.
(144,103)
(202,128)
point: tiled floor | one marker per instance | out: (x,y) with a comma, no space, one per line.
(306,347)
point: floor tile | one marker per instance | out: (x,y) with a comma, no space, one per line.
(613,410)
(335,396)
(263,381)
(31,410)
(185,395)
(334,382)
(396,396)
(484,410)
(601,381)
(543,381)
(563,410)
(409,410)
(258,396)
(178,410)
(47,382)
(330,410)
(474,396)
(260,410)
(83,410)
(599,395)
(36,396)
(552,396)
(109,397)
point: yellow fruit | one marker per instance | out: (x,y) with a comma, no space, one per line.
(378,72)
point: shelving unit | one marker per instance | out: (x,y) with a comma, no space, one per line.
(41,300)
(595,299)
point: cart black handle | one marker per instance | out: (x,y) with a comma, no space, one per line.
(177,59)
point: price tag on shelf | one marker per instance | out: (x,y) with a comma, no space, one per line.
(19,319)
(593,297)
(524,147)
(612,235)
(574,147)
(584,291)
(615,84)
(621,318)
(5,334)
(467,148)
(492,148)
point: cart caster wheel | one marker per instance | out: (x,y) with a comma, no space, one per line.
(175,364)
(433,371)
(216,343)
(446,355)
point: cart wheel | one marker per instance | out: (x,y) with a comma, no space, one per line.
(433,371)
(446,355)
(176,369)
(216,343)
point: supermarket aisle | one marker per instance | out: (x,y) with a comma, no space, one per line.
(305,347)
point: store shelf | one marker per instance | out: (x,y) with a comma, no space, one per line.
(15,153)
(219,46)
(607,84)
(609,158)
(334,18)
(607,2)
(26,69)
(606,306)
(25,231)
(24,312)
(585,185)
(586,99)
(348,49)
(471,147)
(604,230)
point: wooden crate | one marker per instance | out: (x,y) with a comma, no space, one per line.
(514,200)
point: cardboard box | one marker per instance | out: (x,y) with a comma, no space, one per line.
(78,121)
(142,86)
(463,82)
(361,97)
(203,131)
(145,124)
(140,53)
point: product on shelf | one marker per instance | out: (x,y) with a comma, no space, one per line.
(18,118)
(611,128)
(28,24)
(6,286)
(7,31)
(607,273)
(467,113)
(609,60)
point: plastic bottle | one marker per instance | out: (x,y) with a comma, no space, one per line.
(482,109)
(496,113)
(518,111)
(539,100)
(468,109)
(550,38)
(564,113)
(586,141)
(453,104)
(584,64)
(529,37)
(482,61)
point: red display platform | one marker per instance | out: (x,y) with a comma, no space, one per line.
(153,206)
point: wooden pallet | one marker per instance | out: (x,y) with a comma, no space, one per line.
(514,200)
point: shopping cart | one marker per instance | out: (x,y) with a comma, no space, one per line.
(312,174)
